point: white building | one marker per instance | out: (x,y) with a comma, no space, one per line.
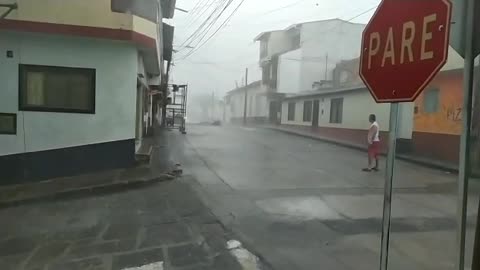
(257,97)
(301,58)
(323,44)
(76,80)
(341,112)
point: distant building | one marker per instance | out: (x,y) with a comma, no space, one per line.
(256,95)
(77,80)
(321,46)
(341,112)
(301,58)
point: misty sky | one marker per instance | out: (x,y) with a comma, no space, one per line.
(222,61)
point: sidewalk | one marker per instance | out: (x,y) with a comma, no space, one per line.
(88,184)
(413,159)
(164,225)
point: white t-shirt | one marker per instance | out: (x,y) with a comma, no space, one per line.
(376,137)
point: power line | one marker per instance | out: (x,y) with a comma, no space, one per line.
(280,8)
(218,29)
(199,38)
(205,8)
(201,28)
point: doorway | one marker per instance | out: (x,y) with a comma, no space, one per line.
(316,110)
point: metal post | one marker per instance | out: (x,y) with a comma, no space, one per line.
(245,103)
(464,168)
(387,199)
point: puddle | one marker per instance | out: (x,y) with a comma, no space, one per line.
(247,260)
(302,208)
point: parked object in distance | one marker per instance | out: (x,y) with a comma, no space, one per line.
(217,123)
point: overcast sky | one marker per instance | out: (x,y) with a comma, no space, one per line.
(222,61)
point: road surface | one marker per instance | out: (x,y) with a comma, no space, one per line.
(305,204)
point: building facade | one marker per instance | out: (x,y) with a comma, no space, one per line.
(76,80)
(257,98)
(322,45)
(341,112)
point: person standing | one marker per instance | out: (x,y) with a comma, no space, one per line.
(373,144)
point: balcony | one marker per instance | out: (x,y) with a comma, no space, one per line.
(93,18)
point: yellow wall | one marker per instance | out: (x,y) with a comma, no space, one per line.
(93,13)
(448,118)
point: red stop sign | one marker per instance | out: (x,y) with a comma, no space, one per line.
(403,46)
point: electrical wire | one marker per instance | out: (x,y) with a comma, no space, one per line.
(209,20)
(199,37)
(212,35)
(280,8)
(204,8)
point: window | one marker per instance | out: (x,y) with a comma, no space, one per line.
(291,111)
(263,49)
(57,89)
(8,123)
(336,110)
(431,100)
(307,111)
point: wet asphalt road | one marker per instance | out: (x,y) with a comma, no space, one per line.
(305,204)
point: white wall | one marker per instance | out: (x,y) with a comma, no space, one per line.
(338,39)
(257,103)
(288,78)
(405,120)
(357,106)
(278,42)
(116,69)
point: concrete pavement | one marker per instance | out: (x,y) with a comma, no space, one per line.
(304,204)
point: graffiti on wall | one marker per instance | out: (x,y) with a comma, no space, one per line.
(447,118)
(454,113)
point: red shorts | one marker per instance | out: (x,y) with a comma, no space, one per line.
(374,150)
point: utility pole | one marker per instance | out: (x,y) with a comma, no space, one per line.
(213,106)
(246,95)
(326,67)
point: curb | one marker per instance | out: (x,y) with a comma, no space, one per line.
(424,163)
(87,191)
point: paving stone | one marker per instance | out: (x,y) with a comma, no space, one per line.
(216,243)
(95,249)
(166,234)
(158,217)
(225,261)
(118,231)
(46,253)
(17,245)
(195,267)
(87,264)
(212,229)
(12,262)
(186,255)
(136,259)
(202,217)
(77,234)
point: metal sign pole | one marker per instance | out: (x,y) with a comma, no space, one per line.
(464,168)
(387,199)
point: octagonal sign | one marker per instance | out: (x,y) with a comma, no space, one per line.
(404,46)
